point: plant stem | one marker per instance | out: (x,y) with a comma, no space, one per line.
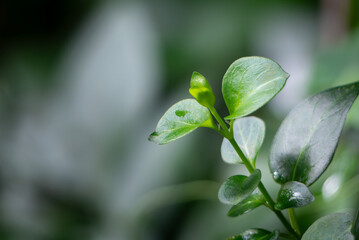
(284,235)
(251,169)
(227,134)
(262,188)
(293,220)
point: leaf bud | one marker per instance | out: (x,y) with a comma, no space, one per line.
(201,90)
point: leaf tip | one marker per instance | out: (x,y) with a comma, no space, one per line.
(231,117)
(286,75)
(231,214)
(196,74)
(257,173)
(153,137)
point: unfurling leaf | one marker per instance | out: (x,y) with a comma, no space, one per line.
(293,195)
(249,134)
(181,119)
(305,142)
(249,83)
(334,226)
(201,90)
(255,200)
(257,234)
(237,188)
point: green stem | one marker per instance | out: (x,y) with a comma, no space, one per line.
(262,188)
(287,236)
(293,221)
(251,169)
(227,134)
(231,127)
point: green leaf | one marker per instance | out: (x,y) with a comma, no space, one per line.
(255,200)
(249,83)
(181,119)
(249,134)
(293,195)
(306,140)
(237,188)
(201,90)
(334,226)
(355,228)
(257,234)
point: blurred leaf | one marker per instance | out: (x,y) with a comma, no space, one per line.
(334,226)
(335,64)
(306,140)
(355,228)
(339,66)
(256,234)
(237,188)
(293,195)
(181,119)
(249,134)
(255,200)
(175,194)
(249,83)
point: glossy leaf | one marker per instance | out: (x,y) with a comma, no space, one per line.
(255,200)
(256,234)
(293,195)
(181,119)
(237,188)
(306,140)
(249,134)
(249,83)
(334,226)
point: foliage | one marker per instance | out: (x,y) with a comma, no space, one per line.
(249,135)
(301,151)
(237,188)
(334,226)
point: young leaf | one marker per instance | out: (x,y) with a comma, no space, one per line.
(255,200)
(334,226)
(257,234)
(293,195)
(249,83)
(305,142)
(237,188)
(249,134)
(181,119)
(201,90)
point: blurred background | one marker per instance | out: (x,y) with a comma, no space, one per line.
(83,84)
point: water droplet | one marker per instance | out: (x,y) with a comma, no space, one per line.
(181,113)
(331,186)
(297,194)
(276,175)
